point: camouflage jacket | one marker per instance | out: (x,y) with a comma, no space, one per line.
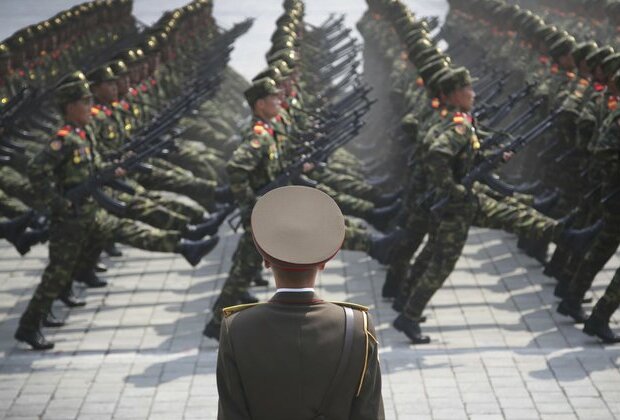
(68,160)
(254,164)
(451,154)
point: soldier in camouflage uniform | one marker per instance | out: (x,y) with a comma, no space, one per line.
(254,164)
(456,146)
(79,230)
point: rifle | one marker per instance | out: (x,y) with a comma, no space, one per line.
(508,105)
(611,201)
(328,27)
(93,185)
(482,171)
(293,171)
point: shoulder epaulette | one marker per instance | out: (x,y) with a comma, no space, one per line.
(228,311)
(64,131)
(259,129)
(351,305)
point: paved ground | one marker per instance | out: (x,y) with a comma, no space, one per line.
(136,350)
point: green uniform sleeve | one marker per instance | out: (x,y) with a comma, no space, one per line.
(41,173)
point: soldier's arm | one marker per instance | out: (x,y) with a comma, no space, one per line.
(243,162)
(41,173)
(232,404)
(439,161)
(368,404)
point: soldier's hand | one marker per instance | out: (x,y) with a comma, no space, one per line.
(120,172)
(308,167)
(507,156)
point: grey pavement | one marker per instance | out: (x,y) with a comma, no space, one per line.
(136,351)
(499,350)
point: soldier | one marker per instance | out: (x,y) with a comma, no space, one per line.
(296,339)
(79,230)
(456,146)
(254,164)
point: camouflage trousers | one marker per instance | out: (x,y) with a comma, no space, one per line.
(18,186)
(602,249)
(194,158)
(142,208)
(75,242)
(345,183)
(210,137)
(447,239)
(609,302)
(246,262)
(11,207)
(350,205)
(356,237)
(168,177)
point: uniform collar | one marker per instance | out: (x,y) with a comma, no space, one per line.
(305,297)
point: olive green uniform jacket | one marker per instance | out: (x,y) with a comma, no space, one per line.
(277,360)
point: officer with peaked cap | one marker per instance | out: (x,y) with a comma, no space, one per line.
(320,358)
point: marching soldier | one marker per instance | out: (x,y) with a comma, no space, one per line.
(79,230)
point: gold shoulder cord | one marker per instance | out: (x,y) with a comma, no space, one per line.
(366,334)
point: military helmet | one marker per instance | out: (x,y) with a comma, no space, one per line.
(271,72)
(428,70)
(288,55)
(562,46)
(102,74)
(432,84)
(582,50)
(611,64)
(119,67)
(597,56)
(72,88)
(4,50)
(260,88)
(455,79)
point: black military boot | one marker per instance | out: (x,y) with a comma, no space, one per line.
(51,321)
(382,216)
(381,246)
(246,297)
(194,251)
(599,327)
(197,232)
(112,250)
(411,329)
(90,280)
(579,240)
(573,309)
(224,194)
(100,267)
(33,337)
(212,330)
(391,286)
(70,299)
(30,238)
(546,202)
(13,229)
(388,199)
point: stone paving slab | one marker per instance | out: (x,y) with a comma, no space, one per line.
(499,350)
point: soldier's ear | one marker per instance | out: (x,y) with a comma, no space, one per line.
(267,264)
(321,267)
